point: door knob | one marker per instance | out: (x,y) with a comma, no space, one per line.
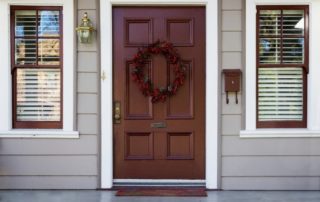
(117,112)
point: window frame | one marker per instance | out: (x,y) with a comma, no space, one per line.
(304,66)
(68,129)
(249,130)
(15,67)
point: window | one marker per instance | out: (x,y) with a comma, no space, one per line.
(282,66)
(310,70)
(36,41)
(44,69)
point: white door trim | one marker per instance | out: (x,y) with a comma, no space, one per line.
(212,78)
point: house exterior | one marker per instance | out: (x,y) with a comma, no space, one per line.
(72,116)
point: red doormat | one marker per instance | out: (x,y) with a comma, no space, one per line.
(200,192)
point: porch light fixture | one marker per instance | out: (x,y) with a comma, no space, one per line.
(85,30)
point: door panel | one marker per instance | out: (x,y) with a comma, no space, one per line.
(181,106)
(159,140)
(137,106)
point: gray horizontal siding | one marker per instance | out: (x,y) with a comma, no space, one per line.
(48,165)
(231,25)
(87,103)
(231,124)
(84,5)
(231,60)
(231,41)
(87,82)
(271,183)
(232,4)
(48,182)
(236,146)
(291,166)
(85,145)
(87,61)
(88,124)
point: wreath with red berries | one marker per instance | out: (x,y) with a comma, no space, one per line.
(144,82)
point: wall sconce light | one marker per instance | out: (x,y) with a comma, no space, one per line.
(85,30)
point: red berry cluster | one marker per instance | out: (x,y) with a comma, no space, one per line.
(144,82)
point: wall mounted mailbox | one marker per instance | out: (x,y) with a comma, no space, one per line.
(232,82)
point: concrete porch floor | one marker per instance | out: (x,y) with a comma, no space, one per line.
(108,196)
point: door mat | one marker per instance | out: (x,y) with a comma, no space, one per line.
(199,192)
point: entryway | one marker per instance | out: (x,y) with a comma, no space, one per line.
(163,140)
(212,75)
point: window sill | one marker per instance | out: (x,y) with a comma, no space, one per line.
(279,133)
(39,133)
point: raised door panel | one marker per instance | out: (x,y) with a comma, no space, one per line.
(181,106)
(138,32)
(137,106)
(180,145)
(138,145)
(180,32)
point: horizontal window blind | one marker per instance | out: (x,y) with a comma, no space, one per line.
(280,94)
(38,94)
(281,63)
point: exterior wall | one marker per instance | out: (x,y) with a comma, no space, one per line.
(62,163)
(258,163)
(88,73)
(246,163)
(231,58)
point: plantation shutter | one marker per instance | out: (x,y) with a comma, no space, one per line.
(281,66)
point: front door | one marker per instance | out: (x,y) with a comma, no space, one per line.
(163,140)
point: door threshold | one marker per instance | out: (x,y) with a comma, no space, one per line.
(158,183)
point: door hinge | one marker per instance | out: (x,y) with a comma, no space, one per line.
(103,75)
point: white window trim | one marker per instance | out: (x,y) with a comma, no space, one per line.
(68,72)
(313,93)
(212,115)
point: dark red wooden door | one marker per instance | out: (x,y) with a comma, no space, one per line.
(176,151)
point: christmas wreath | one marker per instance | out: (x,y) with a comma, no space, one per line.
(144,82)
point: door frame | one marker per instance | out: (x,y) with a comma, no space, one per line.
(212,80)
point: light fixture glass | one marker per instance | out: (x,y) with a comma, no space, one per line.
(85,30)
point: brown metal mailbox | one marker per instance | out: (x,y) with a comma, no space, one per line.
(232,81)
